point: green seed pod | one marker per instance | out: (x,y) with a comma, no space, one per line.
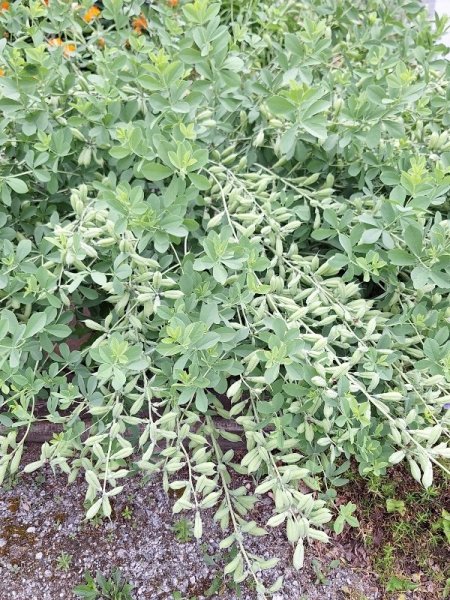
(259,139)
(276,123)
(157,278)
(433,141)
(217,169)
(317,219)
(229,159)
(242,164)
(205,114)
(173,294)
(85,156)
(77,134)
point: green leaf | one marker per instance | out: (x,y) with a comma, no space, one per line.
(200,181)
(201,401)
(413,239)
(35,324)
(154,171)
(279,105)
(400,584)
(370,236)
(16,184)
(400,257)
(420,277)
(393,505)
(58,331)
(23,249)
(220,273)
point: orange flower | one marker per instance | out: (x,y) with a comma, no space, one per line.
(173,3)
(45,2)
(2,72)
(55,42)
(91,14)
(140,23)
(4,6)
(69,49)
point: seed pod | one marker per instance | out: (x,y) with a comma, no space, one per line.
(259,139)
(85,156)
(252,363)
(275,123)
(217,169)
(214,221)
(433,141)
(206,114)
(157,278)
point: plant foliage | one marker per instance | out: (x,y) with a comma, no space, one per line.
(234,210)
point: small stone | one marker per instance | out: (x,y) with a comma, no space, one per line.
(2,542)
(31,530)
(47,573)
(39,556)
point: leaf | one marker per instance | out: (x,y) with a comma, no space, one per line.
(200,181)
(346,244)
(400,257)
(35,324)
(220,273)
(16,184)
(393,505)
(98,277)
(279,105)
(420,277)
(23,250)
(441,279)
(59,331)
(6,421)
(154,171)
(119,152)
(201,401)
(413,239)
(370,236)
(339,524)
(400,584)
(316,126)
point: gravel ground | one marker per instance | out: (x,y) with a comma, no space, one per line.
(41,517)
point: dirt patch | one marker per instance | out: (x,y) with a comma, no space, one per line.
(47,523)
(46,546)
(402,533)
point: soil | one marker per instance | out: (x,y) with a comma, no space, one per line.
(41,518)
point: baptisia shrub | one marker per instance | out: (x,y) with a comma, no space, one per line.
(234,210)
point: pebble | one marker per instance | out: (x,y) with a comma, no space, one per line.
(145,555)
